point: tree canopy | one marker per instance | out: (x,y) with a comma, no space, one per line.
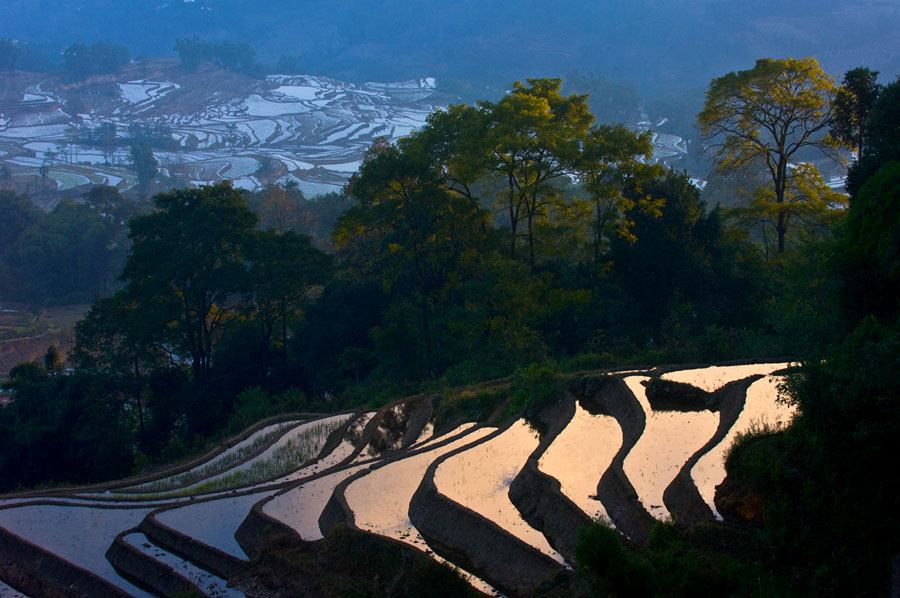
(772,114)
(853,104)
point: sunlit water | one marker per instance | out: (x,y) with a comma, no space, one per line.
(668,441)
(479,478)
(580,455)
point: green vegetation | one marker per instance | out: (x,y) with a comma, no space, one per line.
(218,464)
(470,405)
(501,235)
(532,389)
(10,53)
(240,58)
(284,459)
(853,106)
(775,114)
(668,395)
(809,510)
(67,255)
(708,559)
(820,488)
(81,61)
(144,164)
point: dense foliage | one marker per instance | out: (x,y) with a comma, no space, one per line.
(81,61)
(239,58)
(67,255)
(820,494)
(774,114)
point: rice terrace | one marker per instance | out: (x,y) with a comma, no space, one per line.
(492,496)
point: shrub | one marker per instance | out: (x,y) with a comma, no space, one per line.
(469,405)
(532,388)
(254,405)
(600,551)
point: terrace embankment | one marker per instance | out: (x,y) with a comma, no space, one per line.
(682,497)
(40,573)
(539,497)
(258,529)
(346,561)
(376,499)
(474,542)
(145,571)
(613,397)
(212,559)
(418,419)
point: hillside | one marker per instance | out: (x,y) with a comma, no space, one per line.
(203,127)
(215,125)
(446,476)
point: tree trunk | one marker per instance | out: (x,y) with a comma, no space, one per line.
(780,185)
(137,400)
(781,229)
(530,243)
(283,330)
(513,219)
(426,331)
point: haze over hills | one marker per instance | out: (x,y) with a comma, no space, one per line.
(672,44)
(203,127)
(212,125)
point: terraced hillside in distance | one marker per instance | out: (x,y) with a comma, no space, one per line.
(209,126)
(489,495)
(203,127)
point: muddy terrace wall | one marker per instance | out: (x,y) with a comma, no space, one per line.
(539,497)
(40,573)
(681,497)
(612,396)
(145,571)
(212,559)
(473,542)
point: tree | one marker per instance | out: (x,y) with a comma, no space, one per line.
(53,360)
(773,113)
(410,233)
(18,214)
(277,210)
(808,200)
(853,106)
(9,55)
(534,137)
(869,257)
(111,341)
(192,51)
(186,268)
(6,180)
(679,273)
(109,204)
(284,269)
(240,58)
(883,138)
(81,61)
(613,157)
(64,255)
(144,164)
